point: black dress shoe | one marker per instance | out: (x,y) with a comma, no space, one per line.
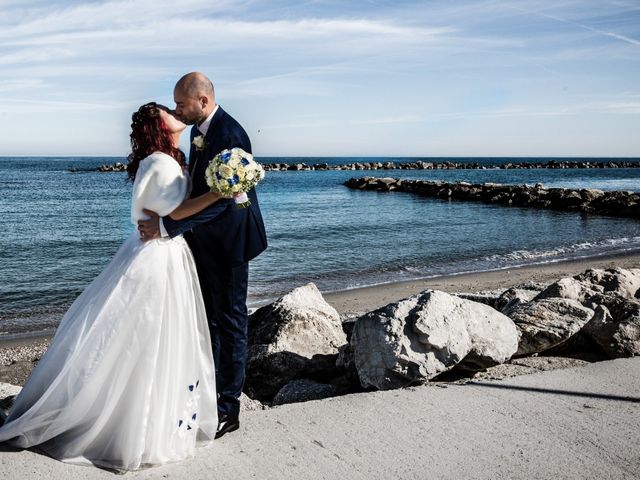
(227,424)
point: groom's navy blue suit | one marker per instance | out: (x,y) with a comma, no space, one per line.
(223,238)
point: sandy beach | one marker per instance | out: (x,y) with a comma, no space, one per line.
(365,299)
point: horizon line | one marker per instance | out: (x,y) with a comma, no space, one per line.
(626,157)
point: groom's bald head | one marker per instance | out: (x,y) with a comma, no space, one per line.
(194,97)
(196,84)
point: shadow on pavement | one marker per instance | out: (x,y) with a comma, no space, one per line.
(570,393)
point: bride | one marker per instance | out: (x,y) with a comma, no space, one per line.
(128,380)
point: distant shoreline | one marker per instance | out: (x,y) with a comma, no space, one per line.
(297,164)
(355,157)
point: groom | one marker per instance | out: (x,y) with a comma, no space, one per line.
(223,238)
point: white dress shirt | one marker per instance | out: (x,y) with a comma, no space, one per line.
(203,128)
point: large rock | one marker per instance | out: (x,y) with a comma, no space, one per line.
(613,295)
(512,298)
(417,338)
(615,327)
(346,364)
(348,322)
(8,393)
(297,336)
(548,322)
(304,390)
(249,404)
(571,288)
(7,390)
(625,282)
(590,194)
(489,297)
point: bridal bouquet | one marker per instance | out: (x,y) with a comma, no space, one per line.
(233,173)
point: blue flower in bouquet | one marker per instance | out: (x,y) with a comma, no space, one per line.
(233,173)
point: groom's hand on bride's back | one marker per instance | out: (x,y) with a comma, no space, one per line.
(149,229)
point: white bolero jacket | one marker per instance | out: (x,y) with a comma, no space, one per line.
(160,186)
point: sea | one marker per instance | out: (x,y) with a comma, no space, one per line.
(58,229)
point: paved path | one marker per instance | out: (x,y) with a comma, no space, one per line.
(579,423)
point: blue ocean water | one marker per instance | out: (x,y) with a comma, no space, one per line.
(59,229)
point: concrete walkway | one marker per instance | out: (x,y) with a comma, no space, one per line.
(579,423)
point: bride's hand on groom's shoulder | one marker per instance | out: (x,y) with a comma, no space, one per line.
(149,229)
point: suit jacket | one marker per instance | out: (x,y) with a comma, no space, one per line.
(234,235)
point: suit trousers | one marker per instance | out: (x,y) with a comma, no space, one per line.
(224,290)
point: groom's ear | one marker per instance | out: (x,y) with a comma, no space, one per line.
(204,102)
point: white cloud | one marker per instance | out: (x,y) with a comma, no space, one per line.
(321,67)
(591,29)
(35,55)
(28,106)
(20,84)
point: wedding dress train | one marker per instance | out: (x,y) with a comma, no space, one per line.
(128,380)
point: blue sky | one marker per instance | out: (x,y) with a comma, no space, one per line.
(396,78)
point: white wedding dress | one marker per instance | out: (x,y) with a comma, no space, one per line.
(128,379)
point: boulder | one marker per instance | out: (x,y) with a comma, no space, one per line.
(8,393)
(613,295)
(571,288)
(615,326)
(303,390)
(348,321)
(548,322)
(625,282)
(346,364)
(513,297)
(590,194)
(249,404)
(417,338)
(387,184)
(297,336)
(494,337)
(489,297)
(570,199)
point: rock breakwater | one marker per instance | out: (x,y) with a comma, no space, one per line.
(617,203)
(421,165)
(448,165)
(116,167)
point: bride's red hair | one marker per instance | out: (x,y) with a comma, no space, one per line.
(150,134)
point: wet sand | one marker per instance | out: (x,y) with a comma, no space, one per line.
(361,300)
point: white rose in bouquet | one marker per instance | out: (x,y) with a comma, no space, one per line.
(234,172)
